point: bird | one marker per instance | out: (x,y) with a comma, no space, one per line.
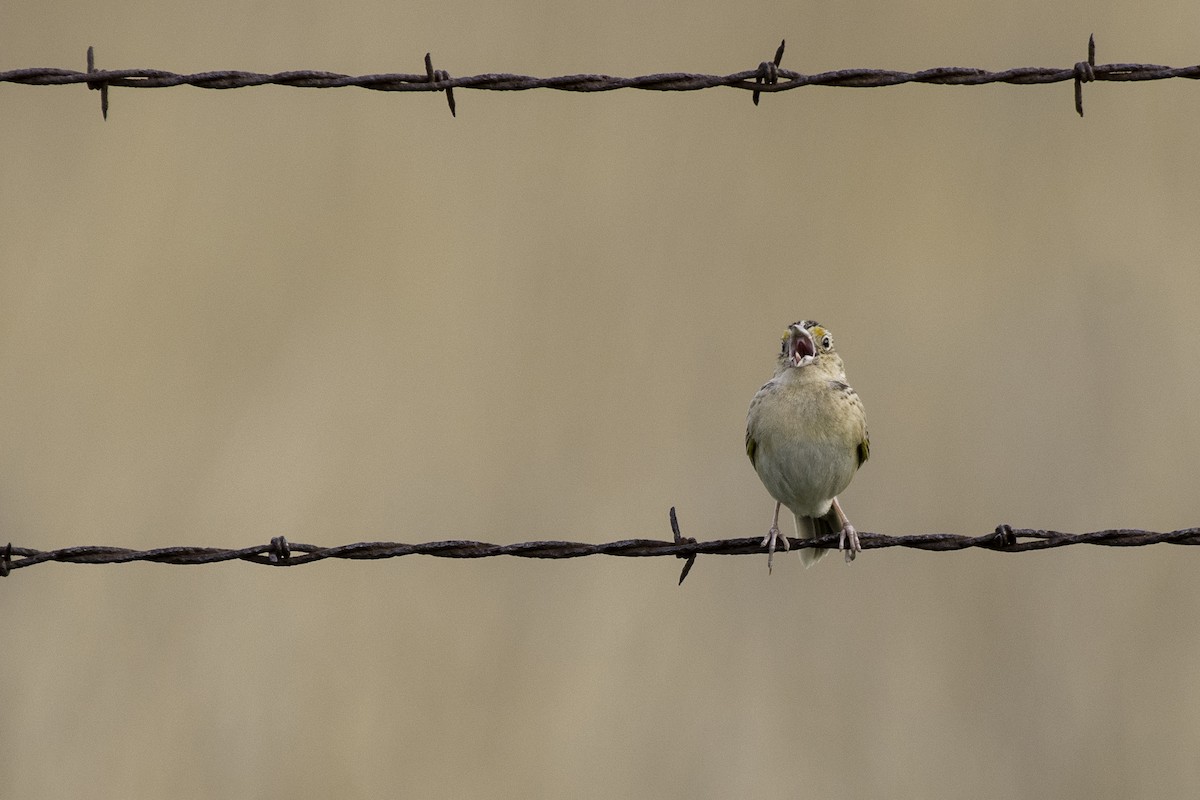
(806,435)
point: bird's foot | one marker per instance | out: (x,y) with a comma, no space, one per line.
(848,542)
(770,541)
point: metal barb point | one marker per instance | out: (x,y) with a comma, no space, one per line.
(680,539)
(438,75)
(98,85)
(1085,73)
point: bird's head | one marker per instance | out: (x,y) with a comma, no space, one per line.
(803,343)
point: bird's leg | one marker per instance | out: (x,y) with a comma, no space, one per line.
(848,540)
(769,541)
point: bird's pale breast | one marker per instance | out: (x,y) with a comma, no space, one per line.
(806,444)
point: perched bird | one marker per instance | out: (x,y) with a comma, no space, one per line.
(806,435)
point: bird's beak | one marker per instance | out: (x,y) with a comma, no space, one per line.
(801,347)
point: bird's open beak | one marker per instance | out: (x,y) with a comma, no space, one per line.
(801,347)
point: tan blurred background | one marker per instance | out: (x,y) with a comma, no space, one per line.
(344,315)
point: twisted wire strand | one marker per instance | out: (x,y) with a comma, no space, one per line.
(768,77)
(281,553)
(661,82)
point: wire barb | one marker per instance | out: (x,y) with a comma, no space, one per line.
(1005,536)
(280,551)
(101,86)
(679,539)
(440,76)
(1085,72)
(768,74)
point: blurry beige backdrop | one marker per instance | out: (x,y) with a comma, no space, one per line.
(344,315)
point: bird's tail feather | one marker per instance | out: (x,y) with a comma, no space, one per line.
(811,528)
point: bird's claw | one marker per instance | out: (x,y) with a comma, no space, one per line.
(770,541)
(848,542)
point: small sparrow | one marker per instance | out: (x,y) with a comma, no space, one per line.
(806,435)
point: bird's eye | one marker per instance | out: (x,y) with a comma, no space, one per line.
(826,341)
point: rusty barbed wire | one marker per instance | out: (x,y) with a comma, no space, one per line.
(279,552)
(767,77)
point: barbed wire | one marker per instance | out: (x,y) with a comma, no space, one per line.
(282,553)
(767,77)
